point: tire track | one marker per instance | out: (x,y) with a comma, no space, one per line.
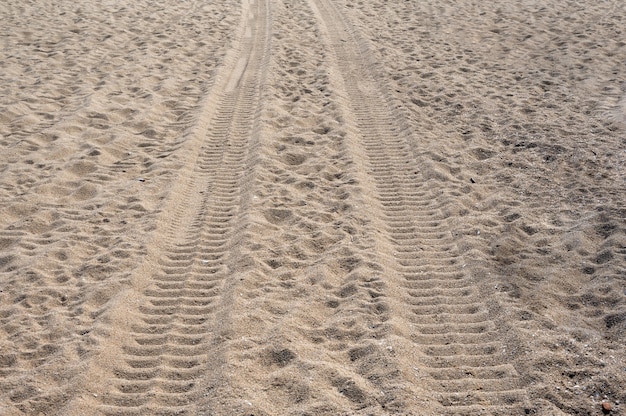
(450,320)
(169,358)
(113,117)
(316,341)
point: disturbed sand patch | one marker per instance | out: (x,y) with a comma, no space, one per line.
(312,207)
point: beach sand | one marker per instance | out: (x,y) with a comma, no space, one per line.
(312,207)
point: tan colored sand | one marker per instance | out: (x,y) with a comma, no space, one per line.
(312,207)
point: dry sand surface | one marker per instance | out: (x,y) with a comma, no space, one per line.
(312,207)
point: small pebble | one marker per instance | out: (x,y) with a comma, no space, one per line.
(606,408)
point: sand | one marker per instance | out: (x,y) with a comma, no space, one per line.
(312,207)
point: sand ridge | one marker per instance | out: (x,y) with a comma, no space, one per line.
(312,207)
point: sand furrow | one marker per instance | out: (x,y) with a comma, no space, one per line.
(422,246)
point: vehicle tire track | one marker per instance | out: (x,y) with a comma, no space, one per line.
(313,335)
(451,320)
(167,359)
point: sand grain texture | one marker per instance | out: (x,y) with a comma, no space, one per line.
(312,207)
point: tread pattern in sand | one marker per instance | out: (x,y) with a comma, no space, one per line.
(524,100)
(450,318)
(312,207)
(312,315)
(97,100)
(171,353)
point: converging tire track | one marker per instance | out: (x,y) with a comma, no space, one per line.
(314,332)
(451,322)
(169,359)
